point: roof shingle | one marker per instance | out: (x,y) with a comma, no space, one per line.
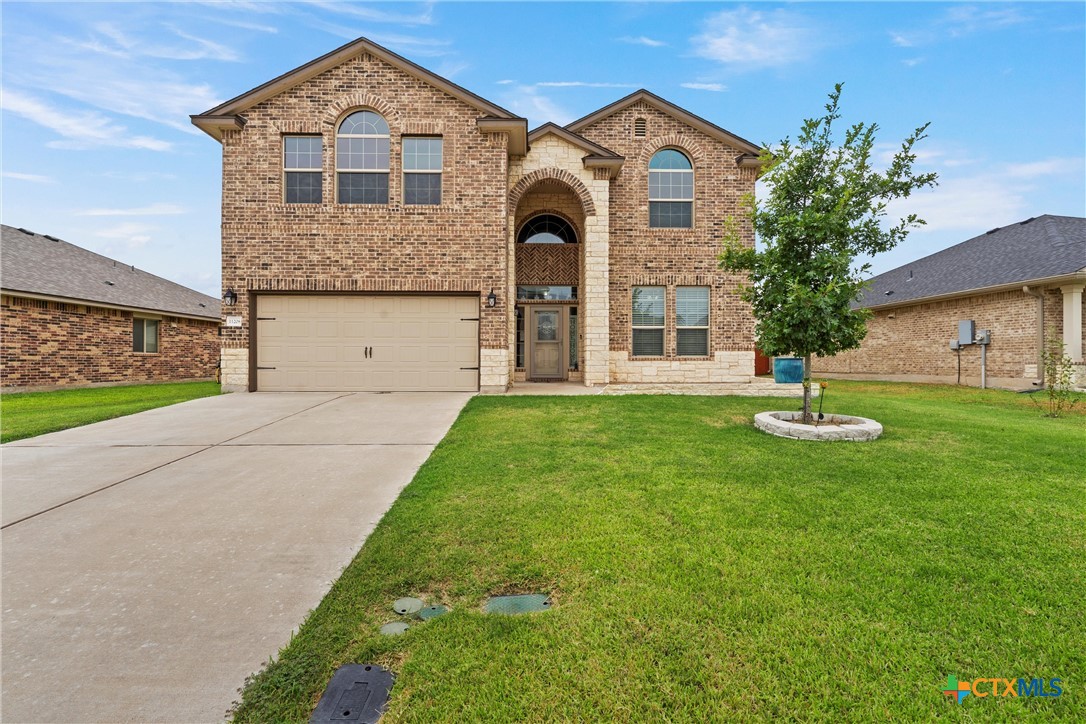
(45,265)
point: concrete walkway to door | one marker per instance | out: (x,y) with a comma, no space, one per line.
(150,563)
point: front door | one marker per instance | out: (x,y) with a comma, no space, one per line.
(547,343)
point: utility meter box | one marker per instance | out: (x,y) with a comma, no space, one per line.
(984,336)
(966,330)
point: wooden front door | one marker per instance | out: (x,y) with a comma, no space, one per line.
(546,356)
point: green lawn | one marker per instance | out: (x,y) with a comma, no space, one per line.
(704,571)
(26,414)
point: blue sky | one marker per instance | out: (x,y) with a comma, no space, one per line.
(98,149)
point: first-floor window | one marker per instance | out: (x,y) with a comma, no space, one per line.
(648,321)
(692,321)
(302,169)
(144,335)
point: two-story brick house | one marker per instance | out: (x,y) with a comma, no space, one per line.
(386,229)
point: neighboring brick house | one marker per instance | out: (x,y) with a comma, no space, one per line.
(1016,281)
(73,318)
(385,229)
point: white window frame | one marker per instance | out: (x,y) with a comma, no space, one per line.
(662,327)
(387,170)
(685,201)
(318,170)
(440,173)
(708,320)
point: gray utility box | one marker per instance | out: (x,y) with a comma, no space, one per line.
(966,332)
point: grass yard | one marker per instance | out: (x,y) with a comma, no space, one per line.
(704,571)
(26,414)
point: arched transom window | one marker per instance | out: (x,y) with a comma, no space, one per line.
(547,229)
(362,151)
(671,190)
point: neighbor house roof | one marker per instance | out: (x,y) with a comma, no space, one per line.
(750,150)
(44,266)
(1040,249)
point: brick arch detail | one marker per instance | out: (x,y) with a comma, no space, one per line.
(577,226)
(678,141)
(553,174)
(341,105)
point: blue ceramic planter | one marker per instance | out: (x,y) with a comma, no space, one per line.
(787,370)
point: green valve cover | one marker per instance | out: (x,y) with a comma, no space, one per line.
(432,612)
(405,606)
(523,603)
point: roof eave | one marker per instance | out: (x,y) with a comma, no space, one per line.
(613,164)
(215,125)
(107,305)
(1078,277)
(517,128)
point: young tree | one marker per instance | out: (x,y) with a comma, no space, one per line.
(825,207)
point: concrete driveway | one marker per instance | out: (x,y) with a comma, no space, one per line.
(150,563)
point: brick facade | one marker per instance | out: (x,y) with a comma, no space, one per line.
(912,342)
(467,243)
(53,344)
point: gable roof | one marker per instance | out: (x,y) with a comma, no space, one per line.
(1041,248)
(225,115)
(48,267)
(597,156)
(706,127)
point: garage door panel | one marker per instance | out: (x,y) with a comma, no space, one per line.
(320,342)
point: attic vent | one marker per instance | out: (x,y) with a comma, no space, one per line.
(992,231)
(640,128)
(202,304)
(910,276)
(1027,220)
(109,283)
(25,231)
(51,238)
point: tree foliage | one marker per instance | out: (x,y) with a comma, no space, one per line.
(826,206)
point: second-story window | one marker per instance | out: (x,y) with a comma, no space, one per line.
(422,171)
(362,151)
(302,169)
(671,190)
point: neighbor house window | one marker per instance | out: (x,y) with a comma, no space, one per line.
(362,151)
(648,321)
(692,321)
(422,171)
(671,190)
(144,335)
(302,169)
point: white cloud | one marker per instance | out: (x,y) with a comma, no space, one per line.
(157,209)
(413,45)
(31,177)
(717,87)
(527,101)
(372,14)
(958,22)
(79,129)
(642,40)
(1047,167)
(912,62)
(581,84)
(752,38)
(132,234)
(505,82)
(111,40)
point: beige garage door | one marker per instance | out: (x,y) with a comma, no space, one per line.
(355,343)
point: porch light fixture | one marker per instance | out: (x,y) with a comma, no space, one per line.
(492,298)
(230,298)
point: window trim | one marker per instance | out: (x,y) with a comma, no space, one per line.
(693,186)
(662,327)
(285,171)
(708,321)
(387,171)
(405,171)
(158,334)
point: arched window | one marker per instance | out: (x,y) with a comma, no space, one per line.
(547,229)
(671,190)
(362,150)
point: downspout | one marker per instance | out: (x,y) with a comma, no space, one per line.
(1040,332)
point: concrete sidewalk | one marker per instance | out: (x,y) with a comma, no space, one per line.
(152,562)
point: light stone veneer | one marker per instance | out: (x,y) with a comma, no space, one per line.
(723,367)
(234,370)
(855,429)
(493,370)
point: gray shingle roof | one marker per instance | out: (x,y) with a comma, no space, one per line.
(1037,248)
(46,265)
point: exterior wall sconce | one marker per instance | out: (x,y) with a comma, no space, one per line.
(492,298)
(230,298)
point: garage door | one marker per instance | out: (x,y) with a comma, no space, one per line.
(355,343)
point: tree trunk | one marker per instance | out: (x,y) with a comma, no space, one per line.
(807,389)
